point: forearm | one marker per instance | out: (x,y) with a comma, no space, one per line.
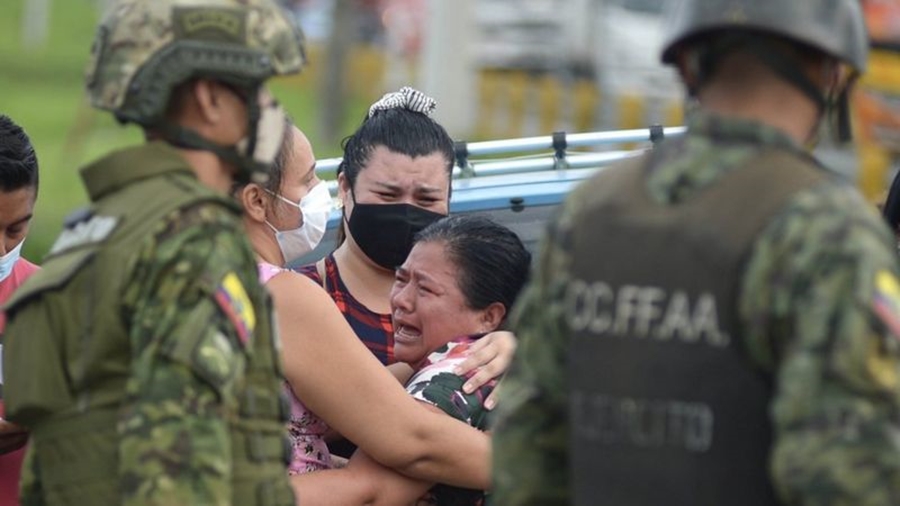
(363,482)
(335,487)
(440,449)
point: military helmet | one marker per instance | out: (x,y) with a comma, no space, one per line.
(835,27)
(145,48)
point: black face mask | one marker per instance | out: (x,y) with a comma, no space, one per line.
(385,232)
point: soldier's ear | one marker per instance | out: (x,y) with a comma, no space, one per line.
(255,201)
(207,101)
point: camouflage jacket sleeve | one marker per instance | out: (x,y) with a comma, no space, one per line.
(822,306)
(186,359)
(530,437)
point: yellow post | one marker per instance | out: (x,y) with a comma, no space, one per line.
(550,93)
(631,114)
(517,89)
(586,96)
(674,113)
(877,122)
(489,84)
(367,65)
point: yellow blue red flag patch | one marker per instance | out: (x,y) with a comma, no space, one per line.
(886,302)
(233,299)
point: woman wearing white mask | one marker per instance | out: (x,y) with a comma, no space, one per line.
(284,219)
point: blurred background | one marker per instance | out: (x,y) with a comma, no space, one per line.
(498,69)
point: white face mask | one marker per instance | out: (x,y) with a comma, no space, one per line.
(315,208)
(8,261)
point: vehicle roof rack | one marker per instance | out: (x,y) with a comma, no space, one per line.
(553,152)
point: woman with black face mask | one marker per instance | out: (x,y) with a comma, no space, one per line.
(394,181)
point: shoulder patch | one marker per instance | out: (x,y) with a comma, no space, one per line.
(234,302)
(886,301)
(84,228)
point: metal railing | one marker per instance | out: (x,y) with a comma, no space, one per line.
(555,152)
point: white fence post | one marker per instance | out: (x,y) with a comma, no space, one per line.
(447,70)
(35,23)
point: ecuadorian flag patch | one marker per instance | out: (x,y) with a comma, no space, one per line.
(886,301)
(233,299)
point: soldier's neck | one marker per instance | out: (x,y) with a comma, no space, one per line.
(778,105)
(210,170)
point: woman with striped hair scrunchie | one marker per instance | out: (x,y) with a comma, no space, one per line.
(394,180)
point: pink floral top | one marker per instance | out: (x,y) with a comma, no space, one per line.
(305,429)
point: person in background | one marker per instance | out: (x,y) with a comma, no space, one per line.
(332,380)
(394,180)
(153,371)
(717,321)
(18,193)
(458,283)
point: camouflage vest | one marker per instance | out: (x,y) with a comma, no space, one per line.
(665,407)
(78,354)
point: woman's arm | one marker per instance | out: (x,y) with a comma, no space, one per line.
(363,482)
(337,378)
(401,371)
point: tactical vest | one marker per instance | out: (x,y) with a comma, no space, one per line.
(665,407)
(78,357)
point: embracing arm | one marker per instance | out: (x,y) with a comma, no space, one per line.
(822,296)
(363,482)
(488,358)
(337,378)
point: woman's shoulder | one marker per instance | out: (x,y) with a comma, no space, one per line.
(288,284)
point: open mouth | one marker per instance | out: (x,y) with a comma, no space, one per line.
(404,333)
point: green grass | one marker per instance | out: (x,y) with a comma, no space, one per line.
(42,90)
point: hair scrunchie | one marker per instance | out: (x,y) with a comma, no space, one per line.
(407,98)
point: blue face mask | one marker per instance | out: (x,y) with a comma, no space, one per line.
(9,260)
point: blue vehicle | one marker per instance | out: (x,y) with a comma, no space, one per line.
(521,193)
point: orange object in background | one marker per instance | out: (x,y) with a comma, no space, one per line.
(876,101)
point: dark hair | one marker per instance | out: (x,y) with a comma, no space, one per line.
(492,261)
(18,161)
(400,130)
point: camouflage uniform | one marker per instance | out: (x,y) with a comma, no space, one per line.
(154,375)
(151,344)
(820,311)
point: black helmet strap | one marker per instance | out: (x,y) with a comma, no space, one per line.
(185,138)
(248,169)
(773,57)
(786,68)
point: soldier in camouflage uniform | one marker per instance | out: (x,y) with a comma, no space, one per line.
(716,322)
(147,368)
